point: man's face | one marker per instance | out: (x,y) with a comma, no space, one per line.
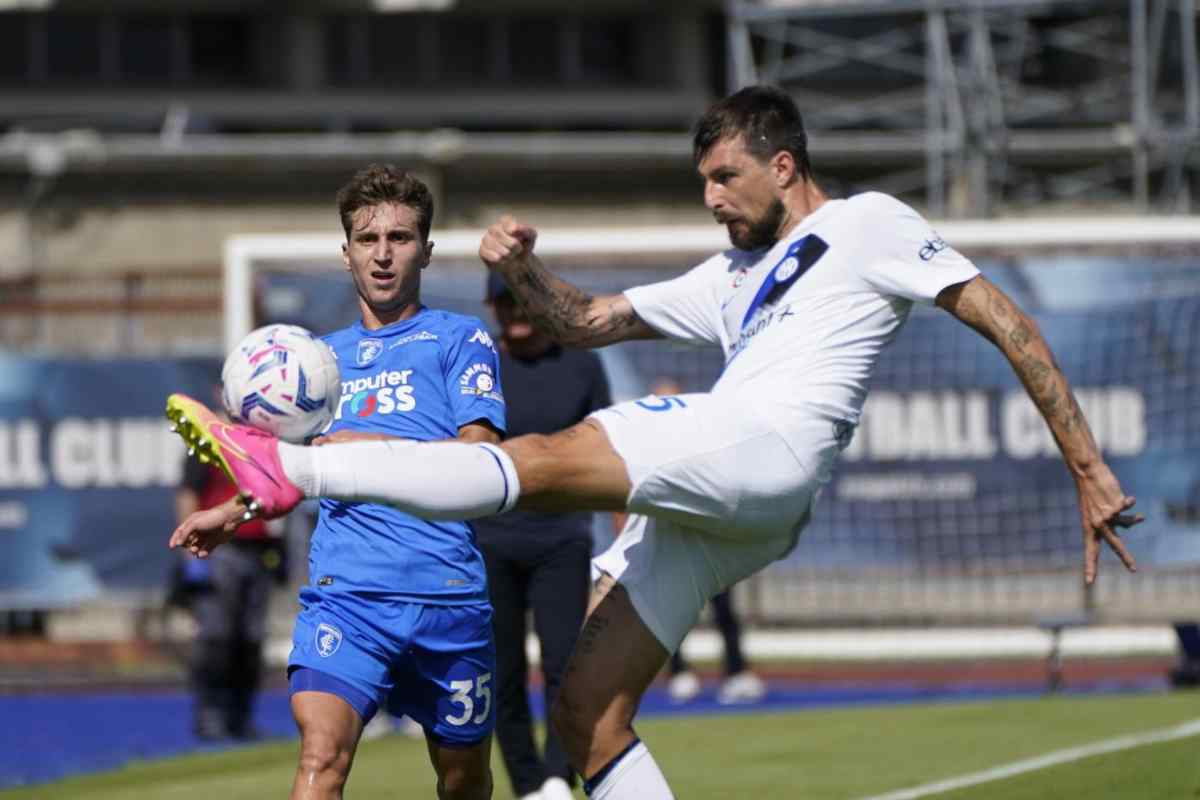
(514,323)
(385,254)
(741,192)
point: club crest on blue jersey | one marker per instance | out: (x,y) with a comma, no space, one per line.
(328,640)
(369,350)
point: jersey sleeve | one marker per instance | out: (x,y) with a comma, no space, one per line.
(905,256)
(471,367)
(684,308)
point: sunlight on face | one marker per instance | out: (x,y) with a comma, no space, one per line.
(385,255)
(741,194)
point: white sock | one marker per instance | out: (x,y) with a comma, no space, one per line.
(431,480)
(633,775)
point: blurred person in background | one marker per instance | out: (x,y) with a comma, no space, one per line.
(1186,674)
(537,562)
(228,596)
(739,684)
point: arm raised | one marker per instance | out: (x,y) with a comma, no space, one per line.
(981,305)
(563,311)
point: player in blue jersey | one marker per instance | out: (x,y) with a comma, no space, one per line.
(396,612)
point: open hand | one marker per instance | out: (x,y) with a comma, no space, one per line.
(1103,508)
(204,531)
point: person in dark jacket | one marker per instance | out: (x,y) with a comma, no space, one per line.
(538,562)
(228,596)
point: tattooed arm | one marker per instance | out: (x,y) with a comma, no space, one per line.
(981,305)
(561,310)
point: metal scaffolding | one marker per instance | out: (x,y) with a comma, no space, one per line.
(972,107)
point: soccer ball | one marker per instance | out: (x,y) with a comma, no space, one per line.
(283,380)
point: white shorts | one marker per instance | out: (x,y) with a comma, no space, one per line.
(717,495)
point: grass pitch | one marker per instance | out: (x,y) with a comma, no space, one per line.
(827,754)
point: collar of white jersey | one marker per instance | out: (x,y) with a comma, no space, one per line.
(809,222)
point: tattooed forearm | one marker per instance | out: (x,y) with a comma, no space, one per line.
(989,311)
(554,305)
(1072,415)
(567,313)
(1020,335)
(1033,373)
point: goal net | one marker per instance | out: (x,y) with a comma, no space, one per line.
(952,504)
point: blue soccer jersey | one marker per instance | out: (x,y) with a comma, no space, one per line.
(421,378)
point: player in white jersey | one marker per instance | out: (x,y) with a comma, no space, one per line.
(720,483)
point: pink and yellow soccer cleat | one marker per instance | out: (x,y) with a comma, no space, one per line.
(248,456)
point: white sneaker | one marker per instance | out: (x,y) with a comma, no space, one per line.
(556,789)
(379,726)
(411,728)
(531,796)
(683,686)
(744,687)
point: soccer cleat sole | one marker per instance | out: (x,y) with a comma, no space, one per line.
(188,419)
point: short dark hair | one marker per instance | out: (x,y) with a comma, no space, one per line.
(765,116)
(383,183)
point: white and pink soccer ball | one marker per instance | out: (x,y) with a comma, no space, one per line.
(283,380)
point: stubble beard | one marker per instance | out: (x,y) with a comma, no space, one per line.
(762,232)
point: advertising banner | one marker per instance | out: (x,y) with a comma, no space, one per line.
(953,468)
(88,470)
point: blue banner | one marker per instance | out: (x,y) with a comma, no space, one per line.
(88,471)
(954,468)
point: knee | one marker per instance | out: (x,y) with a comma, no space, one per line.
(324,758)
(533,457)
(575,722)
(465,782)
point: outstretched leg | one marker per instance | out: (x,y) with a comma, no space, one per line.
(576,469)
(615,659)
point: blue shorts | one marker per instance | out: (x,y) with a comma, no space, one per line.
(429,662)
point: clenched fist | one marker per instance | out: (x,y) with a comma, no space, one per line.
(506,241)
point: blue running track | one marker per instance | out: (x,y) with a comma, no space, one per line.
(51,736)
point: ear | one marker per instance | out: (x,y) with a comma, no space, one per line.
(428,254)
(346,255)
(783,169)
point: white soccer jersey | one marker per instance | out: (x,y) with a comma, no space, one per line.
(803,323)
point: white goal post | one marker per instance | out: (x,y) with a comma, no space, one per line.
(245,252)
(951,504)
